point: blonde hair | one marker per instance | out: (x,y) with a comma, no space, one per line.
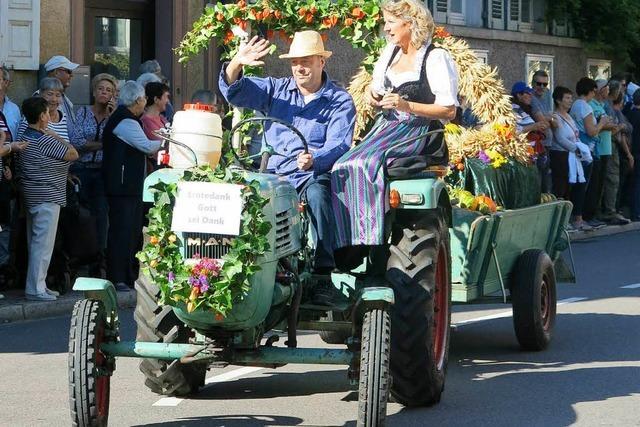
(415,13)
(103,77)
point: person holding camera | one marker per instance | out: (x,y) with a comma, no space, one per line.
(86,137)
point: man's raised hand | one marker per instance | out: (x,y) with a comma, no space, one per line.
(251,52)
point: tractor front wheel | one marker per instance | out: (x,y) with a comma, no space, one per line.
(160,324)
(419,272)
(89,368)
(375,380)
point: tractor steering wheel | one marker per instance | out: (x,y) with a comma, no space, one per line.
(267,150)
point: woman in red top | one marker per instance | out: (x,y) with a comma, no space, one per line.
(157,100)
(152,119)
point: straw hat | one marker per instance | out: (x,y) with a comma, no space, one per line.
(306,43)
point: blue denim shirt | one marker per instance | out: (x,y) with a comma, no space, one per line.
(326,122)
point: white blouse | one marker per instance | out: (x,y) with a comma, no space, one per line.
(440,70)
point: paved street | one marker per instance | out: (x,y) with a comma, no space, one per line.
(590,375)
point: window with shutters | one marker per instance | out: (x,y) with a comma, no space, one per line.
(535,62)
(20,34)
(599,69)
(448,11)
(562,28)
(482,55)
(520,15)
(496,14)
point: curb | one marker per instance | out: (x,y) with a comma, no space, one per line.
(609,230)
(17,309)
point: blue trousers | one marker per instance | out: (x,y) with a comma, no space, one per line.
(317,193)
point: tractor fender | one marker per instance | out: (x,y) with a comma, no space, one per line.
(101,290)
(378,297)
(423,193)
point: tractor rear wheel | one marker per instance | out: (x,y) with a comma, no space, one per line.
(374,384)
(419,272)
(533,296)
(89,369)
(160,324)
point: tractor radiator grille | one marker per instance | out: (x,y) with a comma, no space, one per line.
(283,226)
(206,245)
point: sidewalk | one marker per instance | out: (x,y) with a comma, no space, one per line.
(604,231)
(15,307)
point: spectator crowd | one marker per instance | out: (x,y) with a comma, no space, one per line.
(586,144)
(57,162)
(71,178)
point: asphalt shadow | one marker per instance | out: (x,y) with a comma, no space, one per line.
(500,385)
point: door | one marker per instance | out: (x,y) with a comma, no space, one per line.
(119,36)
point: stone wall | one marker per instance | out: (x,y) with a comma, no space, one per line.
(570,64)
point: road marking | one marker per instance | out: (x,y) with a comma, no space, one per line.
(634,286)
(227,376)
(231,375)
(168,401)
(510,313)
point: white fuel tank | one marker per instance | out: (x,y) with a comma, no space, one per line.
(198,127)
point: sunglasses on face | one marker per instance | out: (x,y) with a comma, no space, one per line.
(543,84)
(66,71)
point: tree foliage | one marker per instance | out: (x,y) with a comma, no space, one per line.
(609,26)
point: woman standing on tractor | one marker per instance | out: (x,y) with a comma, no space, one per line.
(416,85)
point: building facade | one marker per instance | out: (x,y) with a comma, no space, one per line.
(117,35)
(113,36)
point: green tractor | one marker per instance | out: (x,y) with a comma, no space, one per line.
(395,327)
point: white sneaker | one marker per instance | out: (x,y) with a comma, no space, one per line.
(40,297)
(52,292)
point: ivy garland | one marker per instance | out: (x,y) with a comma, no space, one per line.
(205,283)
(360,23)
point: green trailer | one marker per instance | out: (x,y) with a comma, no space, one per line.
(510,256)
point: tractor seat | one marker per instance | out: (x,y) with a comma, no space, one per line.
(435,171)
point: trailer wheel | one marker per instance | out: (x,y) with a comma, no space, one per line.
(373,391)
(159,324)
(89,369)
(533,295)
(419,272)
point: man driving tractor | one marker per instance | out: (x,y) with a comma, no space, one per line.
(325,115)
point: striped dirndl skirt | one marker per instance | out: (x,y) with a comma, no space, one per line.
(359,190)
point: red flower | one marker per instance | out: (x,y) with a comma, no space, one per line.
(441,33)
(357,13)
(219,17)
(348,22)
(309,18)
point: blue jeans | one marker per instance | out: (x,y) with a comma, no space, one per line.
(317,192)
